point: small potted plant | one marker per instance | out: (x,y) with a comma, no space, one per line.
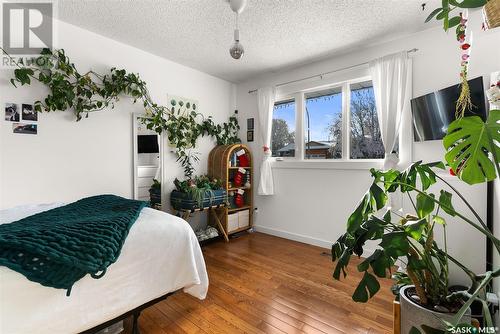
(197,193)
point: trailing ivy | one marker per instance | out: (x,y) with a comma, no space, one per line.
(91,91)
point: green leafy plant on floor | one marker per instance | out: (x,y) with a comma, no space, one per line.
(410,238)
(89,92)
(472,152)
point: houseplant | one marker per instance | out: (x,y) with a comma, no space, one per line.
(472,152)
(197,193)
(88,92)
(409,238)
(155,194)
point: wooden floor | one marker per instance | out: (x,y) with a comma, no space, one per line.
(264,284)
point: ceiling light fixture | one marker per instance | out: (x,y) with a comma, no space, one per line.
(237,50)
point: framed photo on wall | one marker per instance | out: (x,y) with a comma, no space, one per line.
(250,123)
(250,136)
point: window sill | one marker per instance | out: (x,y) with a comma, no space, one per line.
(333,164)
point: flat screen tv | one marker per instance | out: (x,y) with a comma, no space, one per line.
(147,144)
(433,113)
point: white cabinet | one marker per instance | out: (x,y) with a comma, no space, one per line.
(238,220)
(232,222)
(243,218)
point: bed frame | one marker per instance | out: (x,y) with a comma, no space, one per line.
(136,312)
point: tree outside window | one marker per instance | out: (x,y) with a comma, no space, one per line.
(283,129)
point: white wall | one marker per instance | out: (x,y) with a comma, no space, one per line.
(68,160)
(312,205)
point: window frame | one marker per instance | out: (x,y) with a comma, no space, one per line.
(299,161)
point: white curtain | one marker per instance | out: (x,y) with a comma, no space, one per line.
(265,99)
(392,78)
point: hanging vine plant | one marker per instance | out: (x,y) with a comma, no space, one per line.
(91,91)
(453,13)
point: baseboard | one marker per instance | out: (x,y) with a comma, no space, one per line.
(294,236)
(302,238)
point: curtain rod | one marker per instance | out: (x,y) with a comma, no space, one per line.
(325,73)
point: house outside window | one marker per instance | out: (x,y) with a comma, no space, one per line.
(323,111)
(331,123)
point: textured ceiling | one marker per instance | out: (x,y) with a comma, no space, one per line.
(276,34)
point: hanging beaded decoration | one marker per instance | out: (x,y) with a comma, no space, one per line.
(464,100)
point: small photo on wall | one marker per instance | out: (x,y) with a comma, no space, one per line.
(28,113)
(249,136)
(25,128)
(250,123)
(11,112)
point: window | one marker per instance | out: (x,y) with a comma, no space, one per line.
(366,142)
(337,122)
(283,129)
(323,124)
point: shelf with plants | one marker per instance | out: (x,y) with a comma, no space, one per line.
(233,166)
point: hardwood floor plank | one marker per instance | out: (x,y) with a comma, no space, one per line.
(265,284)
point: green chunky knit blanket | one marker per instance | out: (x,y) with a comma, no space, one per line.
(58,247)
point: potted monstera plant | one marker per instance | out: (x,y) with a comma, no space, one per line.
(427,302)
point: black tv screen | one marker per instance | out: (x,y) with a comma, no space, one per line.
(433,113)
(147,144)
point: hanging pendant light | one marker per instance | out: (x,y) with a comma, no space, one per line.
(237,50)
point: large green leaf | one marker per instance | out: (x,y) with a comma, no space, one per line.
(425,204)
(366,288)
(379,262)
(395,244)
(342,263)
(433,13)
(468,142)
(445,200)
(356,218)
(374,200)
(415,228)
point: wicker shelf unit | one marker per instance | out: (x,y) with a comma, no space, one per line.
(234,219)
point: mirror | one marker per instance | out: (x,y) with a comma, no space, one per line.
(147,163)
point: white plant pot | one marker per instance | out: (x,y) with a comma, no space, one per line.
(412,314)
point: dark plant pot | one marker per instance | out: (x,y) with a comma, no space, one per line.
(412,314)
(184,201)
(155,196)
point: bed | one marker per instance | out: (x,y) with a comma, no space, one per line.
(161,255)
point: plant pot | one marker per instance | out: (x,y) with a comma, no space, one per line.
(491,14)
(412,314)
(155,196)
(184,201)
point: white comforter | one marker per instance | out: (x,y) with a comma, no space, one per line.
(161,254)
